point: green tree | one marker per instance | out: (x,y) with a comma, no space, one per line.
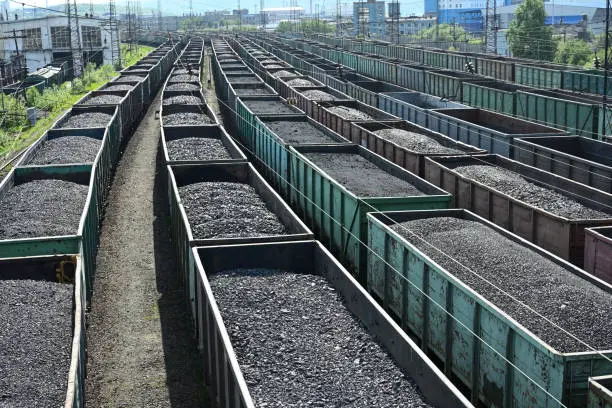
(528,37)
(574,52)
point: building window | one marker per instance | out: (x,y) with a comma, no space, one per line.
(32,39)
(92,36)
(60,37)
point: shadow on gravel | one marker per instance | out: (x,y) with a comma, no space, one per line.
(183,364)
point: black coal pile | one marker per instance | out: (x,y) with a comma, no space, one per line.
(299,346)
(66,150)
(246,79)
(119,88)
(86,120)
(197,148)
(129,78)
(514,185)
(300,82)
(104,100)
(572,303)
(182,87)
(299,132)
(42,208)
(182,100)
(349,113)
(265,107)
(350,169)
(253,91)
(415,141)
(186,118)
(184,78)
(228,210)
(35,343)
(316,95)
(284,73)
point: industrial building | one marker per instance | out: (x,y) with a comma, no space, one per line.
(47,39)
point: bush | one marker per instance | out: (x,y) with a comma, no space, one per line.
(14,114)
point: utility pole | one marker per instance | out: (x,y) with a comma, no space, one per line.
(262,15)
(75,38)
(491,27)
(438,19)
(114,32)
(159,16)
(606,67)
(338,19)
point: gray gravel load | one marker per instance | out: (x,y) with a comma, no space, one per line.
(184,78)
(349,113)
(300,82)
(269,61)
(197,148)
(570,302)
(129,78)
(415,141)
(182,87)
(87,120)
(180,71)
(228,210)
(284,73)
(186,118)
(316,95)
(35,343)
(42,208)
(119,88)
(514,185)
(299,346)
(66,150)
(104,100)
(274,66)
(253,91)
(183,100)
(265,107)
(350,169)
(298,132)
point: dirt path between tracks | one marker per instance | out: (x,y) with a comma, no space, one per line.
(141,351)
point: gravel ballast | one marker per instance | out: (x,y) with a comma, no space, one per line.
(182,87)
(299,346)
(104,100)
(186,118)
(197,148)
(183,100)
(300,82)
(298,132)
(514,185)
(35,343)
(42,208)
(415,141)
(572,303)
(67,149)
(316,95)
(228,210)
(350,170)
(349,113)
(266,107)
(87,120)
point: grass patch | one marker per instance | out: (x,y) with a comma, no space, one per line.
(129,58)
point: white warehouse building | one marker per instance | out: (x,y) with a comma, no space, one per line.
(48,39)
